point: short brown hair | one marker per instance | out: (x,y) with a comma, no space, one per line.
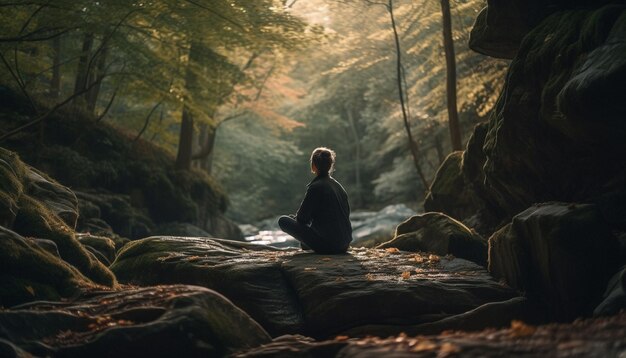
(324,160)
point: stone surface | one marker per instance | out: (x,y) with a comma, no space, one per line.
(560,254)
(183,321)
(28,272)
(439,234)
(291,291)
(599,338)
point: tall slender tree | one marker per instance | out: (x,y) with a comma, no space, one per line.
(448,44)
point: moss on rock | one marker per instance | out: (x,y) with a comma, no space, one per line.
(35,220)
(12,172)
(28,272)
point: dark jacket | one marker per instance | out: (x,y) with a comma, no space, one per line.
(325,206)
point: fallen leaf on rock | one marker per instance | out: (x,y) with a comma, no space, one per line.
(406,274)
(30,290)
(392,250)
(342,338)
(521,329)
(424,345)
(309,269)
(433,258)
(369,277)
(419,259)
(400,338)
(448,349)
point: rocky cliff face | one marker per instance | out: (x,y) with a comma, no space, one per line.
(557,132)
(557,136)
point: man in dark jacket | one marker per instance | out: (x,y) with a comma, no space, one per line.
(323,220)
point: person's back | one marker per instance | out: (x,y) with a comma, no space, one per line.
(331,218)
(323,219)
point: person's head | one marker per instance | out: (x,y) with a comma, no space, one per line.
(322,161)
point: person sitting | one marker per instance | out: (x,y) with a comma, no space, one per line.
(322,222)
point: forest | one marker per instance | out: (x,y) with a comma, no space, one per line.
(149,148)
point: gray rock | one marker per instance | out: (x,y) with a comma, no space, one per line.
(614,299)
(439,234)
(162,321)
(290,291)
(560,254)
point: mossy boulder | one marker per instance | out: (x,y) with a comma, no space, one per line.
(441,235)
(562,255)
(12,173)
(29,273)
(58,199)
(104,245)
(163,321)
(36,220)
(41,208)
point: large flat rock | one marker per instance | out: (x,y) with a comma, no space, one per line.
(291,291)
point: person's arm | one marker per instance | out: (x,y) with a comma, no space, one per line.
(308,206)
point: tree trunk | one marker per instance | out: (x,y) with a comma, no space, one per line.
(185,141)
(357,159)
(82,72)
(412,143)
(96,76)
(207,162)
(448,44)
(55,81)
(207,144)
